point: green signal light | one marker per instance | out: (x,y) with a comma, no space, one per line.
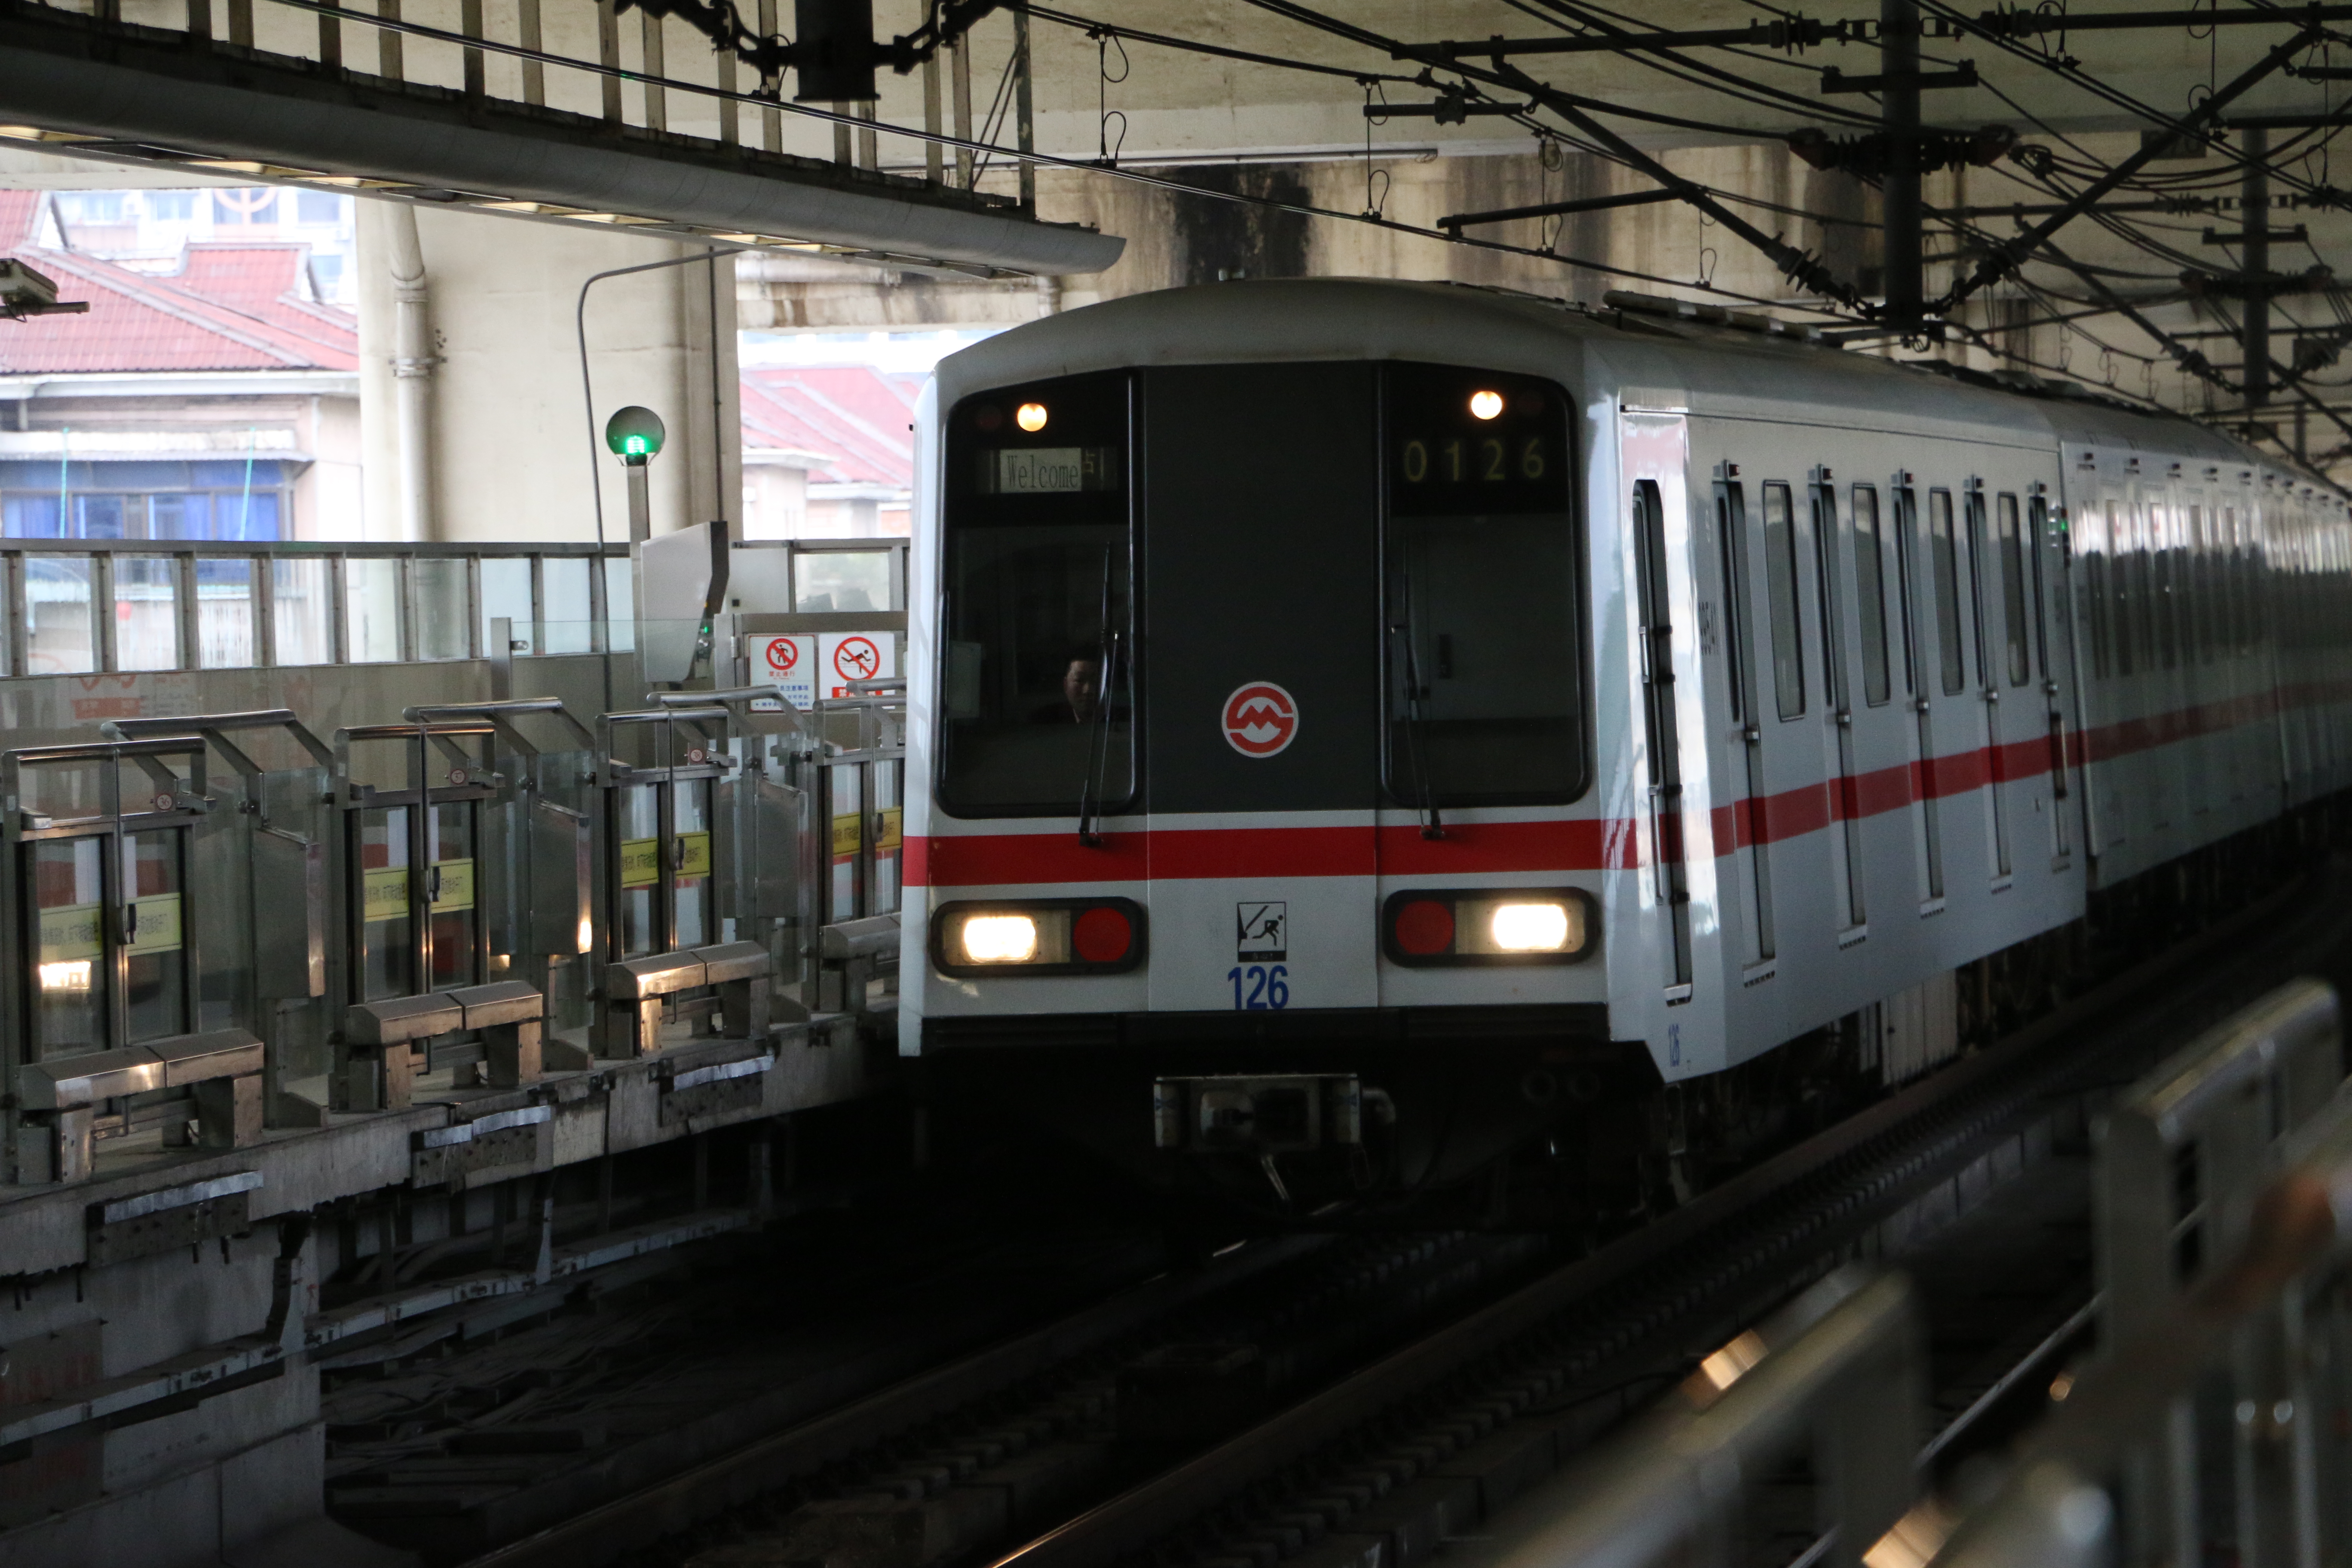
(635,435)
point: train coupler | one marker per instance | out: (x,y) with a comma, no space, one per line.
(1250,1113)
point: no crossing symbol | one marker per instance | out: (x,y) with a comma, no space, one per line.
(856,658)
(783,653)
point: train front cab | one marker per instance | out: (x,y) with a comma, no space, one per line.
(1261,817)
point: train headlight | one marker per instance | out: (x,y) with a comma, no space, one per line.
(1485,405)
(1531,928)
(1483,926)
(999,939)
(1038,936)
(1030,417)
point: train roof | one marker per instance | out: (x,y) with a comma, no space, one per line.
(1665,353)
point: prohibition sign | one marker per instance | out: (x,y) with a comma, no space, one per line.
(856,658)
(783,653)
(1260,719)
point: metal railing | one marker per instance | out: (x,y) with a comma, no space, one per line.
(107,607)
(2217,1426)
(1835,1378)
(99,607)
(2259,1345)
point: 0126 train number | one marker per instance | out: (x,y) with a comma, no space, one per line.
(1260,987)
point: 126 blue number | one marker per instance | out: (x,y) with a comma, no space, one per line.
(1269,987)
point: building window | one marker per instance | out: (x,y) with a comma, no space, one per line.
(90,206)
(188,502)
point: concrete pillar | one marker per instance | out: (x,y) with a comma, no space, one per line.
(511,434)
(412,360)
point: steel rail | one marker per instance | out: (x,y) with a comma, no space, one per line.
(711,1489)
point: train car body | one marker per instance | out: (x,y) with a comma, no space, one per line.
(1348,705)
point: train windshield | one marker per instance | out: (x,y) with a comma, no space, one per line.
(1484,704)
(1036,691)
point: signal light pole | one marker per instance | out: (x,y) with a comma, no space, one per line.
(635,435)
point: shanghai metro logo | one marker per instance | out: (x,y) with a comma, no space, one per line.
(1260,719)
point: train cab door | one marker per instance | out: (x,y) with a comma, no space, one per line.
(1671,982)
(1261,707)
(1729,626)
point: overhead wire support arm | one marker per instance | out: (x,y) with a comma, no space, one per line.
(1796,265)
(1836,80)
(1782,33)
(2005,257)
(1457,221)
(2027,24)
(1449,110)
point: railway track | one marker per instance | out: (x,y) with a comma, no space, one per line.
(1390,1394)
(1019,1420)
(1427,1444)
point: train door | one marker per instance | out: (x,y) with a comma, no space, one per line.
(1847,860)
(2172,777)
(1878,732)
(2017,735)
(1680,894)
(2264,658)
(1661,732)
(1955,709)
(1743,760)
(2192,676)
(1918,680)
(2108,598)
(1781,774)
(1262,713)
(2045,561)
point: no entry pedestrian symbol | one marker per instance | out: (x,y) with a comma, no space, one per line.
(1260,719)
(783,655)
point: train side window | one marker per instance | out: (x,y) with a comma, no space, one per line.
(1731,540)
(2163,566)
(1973,508)
(2096,607)
(2037,522)
(2012,588)
(2119,570)
(1781,591)
(2184,588)
(2234,591)
(1906,529)
(1944,565)
(1825,595)
(1870,593)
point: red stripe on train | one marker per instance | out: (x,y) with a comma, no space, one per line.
(1193,854)
(1584,844)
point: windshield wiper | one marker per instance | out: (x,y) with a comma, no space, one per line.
(1098,741)
(1413,692)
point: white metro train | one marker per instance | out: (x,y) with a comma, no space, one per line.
(1358,728)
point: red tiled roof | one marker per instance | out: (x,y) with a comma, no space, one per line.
(856,416)
(230,307)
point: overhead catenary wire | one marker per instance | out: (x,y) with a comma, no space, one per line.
(1585,134)
(945,139)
